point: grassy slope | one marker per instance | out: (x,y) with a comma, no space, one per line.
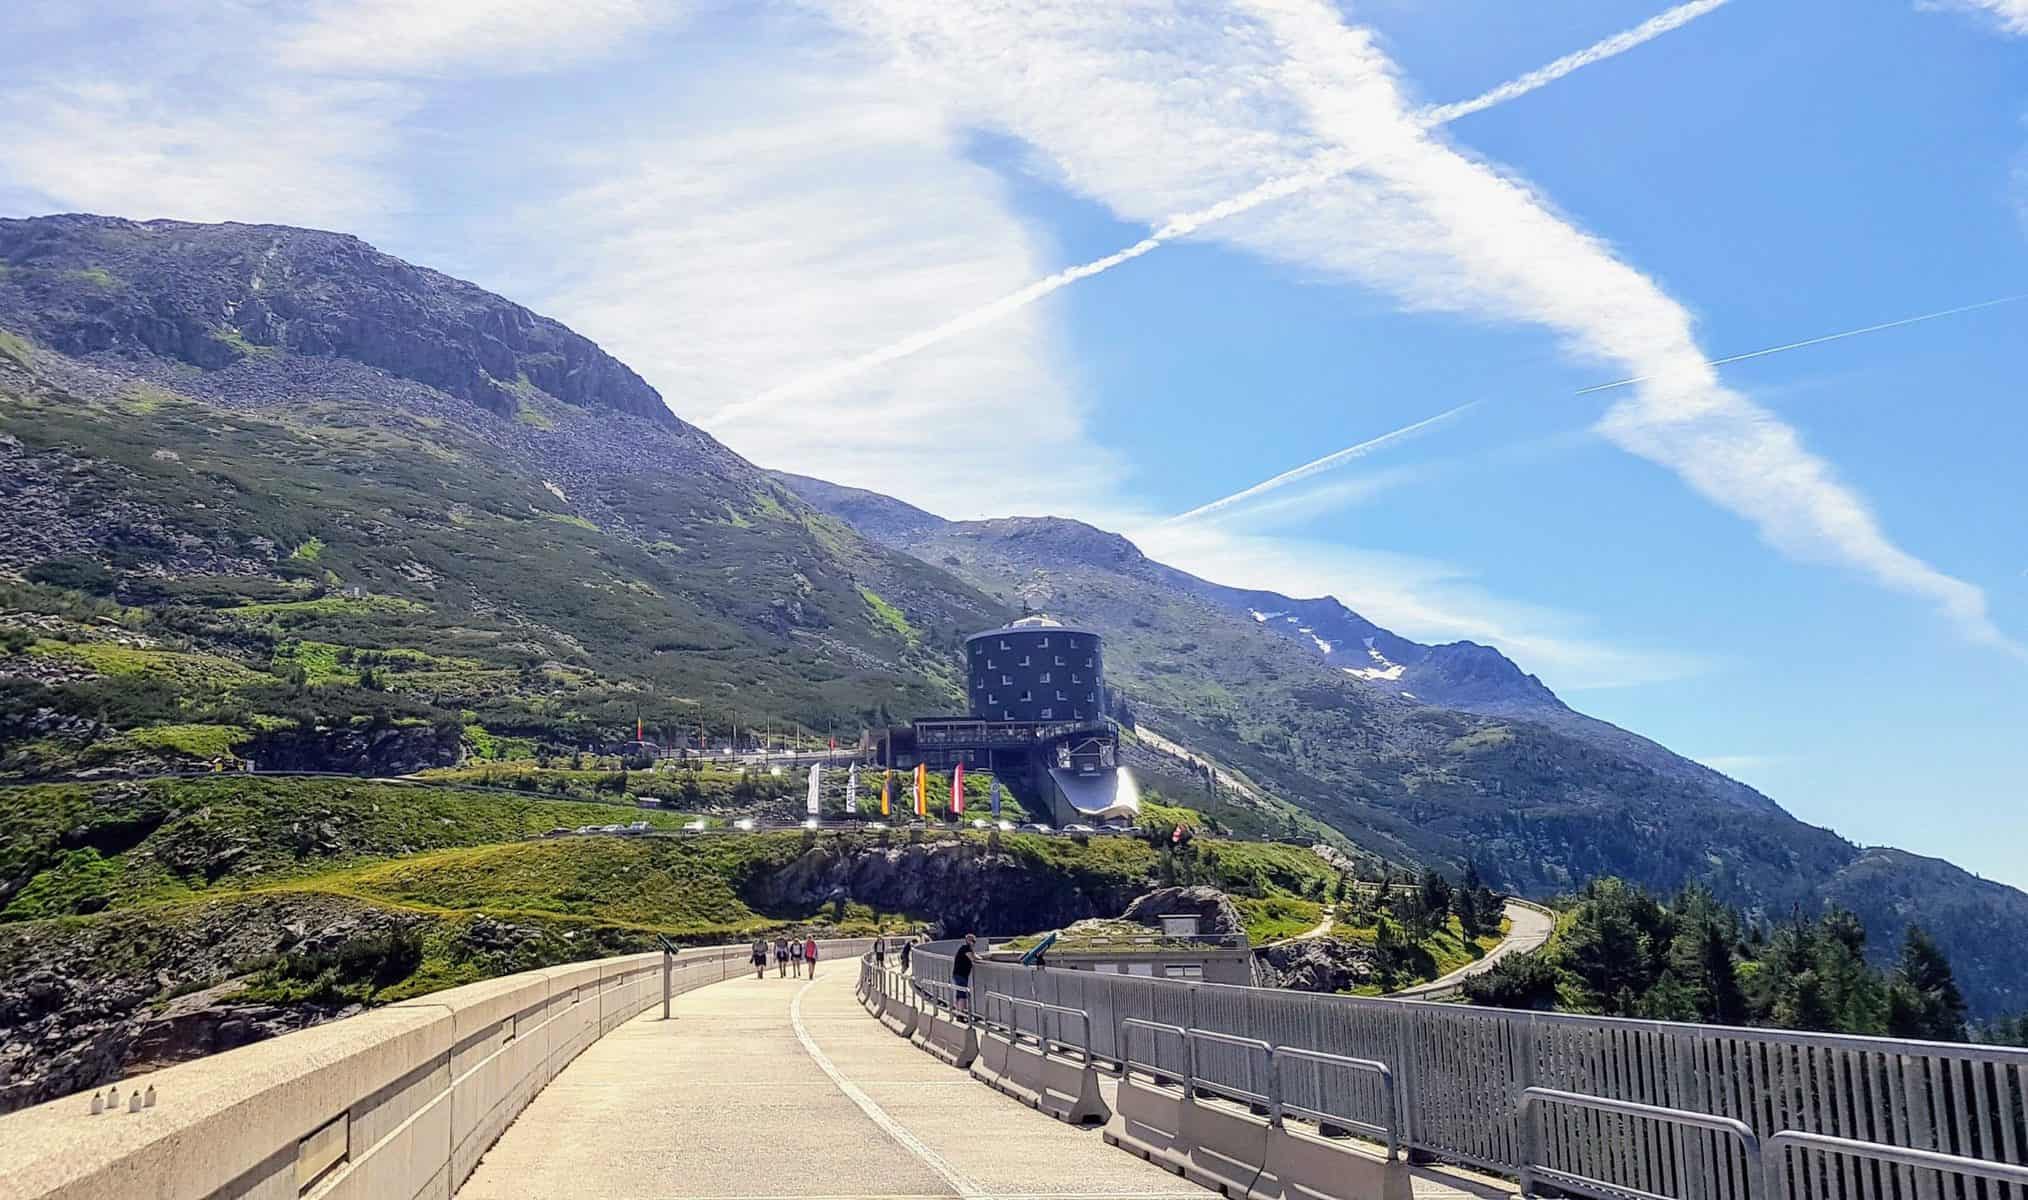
(482,606)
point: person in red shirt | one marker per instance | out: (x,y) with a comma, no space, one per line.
(810,955)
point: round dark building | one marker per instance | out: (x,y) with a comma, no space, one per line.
(1036,669)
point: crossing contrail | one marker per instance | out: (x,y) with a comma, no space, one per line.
(1321,170)
(1325,463)
(1316,466)
(1815,341)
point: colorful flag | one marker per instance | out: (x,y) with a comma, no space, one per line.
(814,771)
(922,790)
(852,789)
(886,789)
(640,734)
(996,797)
(958,790)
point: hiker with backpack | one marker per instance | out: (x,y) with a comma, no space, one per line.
(796,958)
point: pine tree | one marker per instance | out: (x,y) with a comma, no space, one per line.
(1925,1001)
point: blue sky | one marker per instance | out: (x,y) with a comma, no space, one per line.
(801,222)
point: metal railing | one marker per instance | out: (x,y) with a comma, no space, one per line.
(1922,1173)
(1609,1148)
(1459,1073)
(1012,1027)
(1283,1095)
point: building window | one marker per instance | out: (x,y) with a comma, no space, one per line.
(1045,714)
(1073,643)
(1023,662)
(1045,678)
(1026,698)
(1087,662)
(1006,681)
(1090,698)
(1183,971)
(1077,714)
(1061,696)
(991,698)
(1074,677)
(990,664)
(1004,645)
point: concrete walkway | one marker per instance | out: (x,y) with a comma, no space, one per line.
(784,1089)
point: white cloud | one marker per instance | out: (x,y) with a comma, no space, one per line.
(1197,107)
(803,217)
(299,153)
(403,37)
(2010,15)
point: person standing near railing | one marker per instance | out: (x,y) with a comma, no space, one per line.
(760,957)
(961,976)
(880,952)
(904,955)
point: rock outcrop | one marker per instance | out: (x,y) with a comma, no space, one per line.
(963,887)
(1215,912)
(1324,964)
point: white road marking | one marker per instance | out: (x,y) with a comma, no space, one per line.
(960,1183)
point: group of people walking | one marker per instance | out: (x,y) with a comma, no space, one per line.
(881,947)
(790,955)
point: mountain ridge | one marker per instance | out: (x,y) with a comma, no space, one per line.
(302,546)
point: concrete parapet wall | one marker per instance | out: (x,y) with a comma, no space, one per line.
(394,1104)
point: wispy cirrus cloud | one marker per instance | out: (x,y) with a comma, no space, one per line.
(805,214)
(401,37)
(2011,16)
(1203,106)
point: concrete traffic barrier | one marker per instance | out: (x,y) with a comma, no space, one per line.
(1049,1083)
(899,1014)
(990,1067)
(1303,1166)
(1225,1148)
(955,1042)
(1148,1120)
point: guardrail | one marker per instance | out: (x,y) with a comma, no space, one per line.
(1459,1073)
(1275,1099)
(1644,1150)
(1012,1027)
(1923,1170)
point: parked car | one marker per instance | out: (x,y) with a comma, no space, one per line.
(1079,829)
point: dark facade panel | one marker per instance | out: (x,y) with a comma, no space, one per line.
(1036,673)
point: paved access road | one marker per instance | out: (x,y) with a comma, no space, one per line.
(785,1089)
(1527,929)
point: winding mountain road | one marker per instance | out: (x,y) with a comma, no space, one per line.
(1528,928)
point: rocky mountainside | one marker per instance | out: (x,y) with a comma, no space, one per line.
(1499,773)
(211,296)
(279,495)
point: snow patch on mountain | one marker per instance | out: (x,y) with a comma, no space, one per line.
(1382,671)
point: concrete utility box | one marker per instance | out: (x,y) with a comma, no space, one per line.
(1180,924)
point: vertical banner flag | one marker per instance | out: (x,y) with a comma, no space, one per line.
(958,790)
(886,789)
(814,769)
(852,789)
(922,789)
(996,797)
